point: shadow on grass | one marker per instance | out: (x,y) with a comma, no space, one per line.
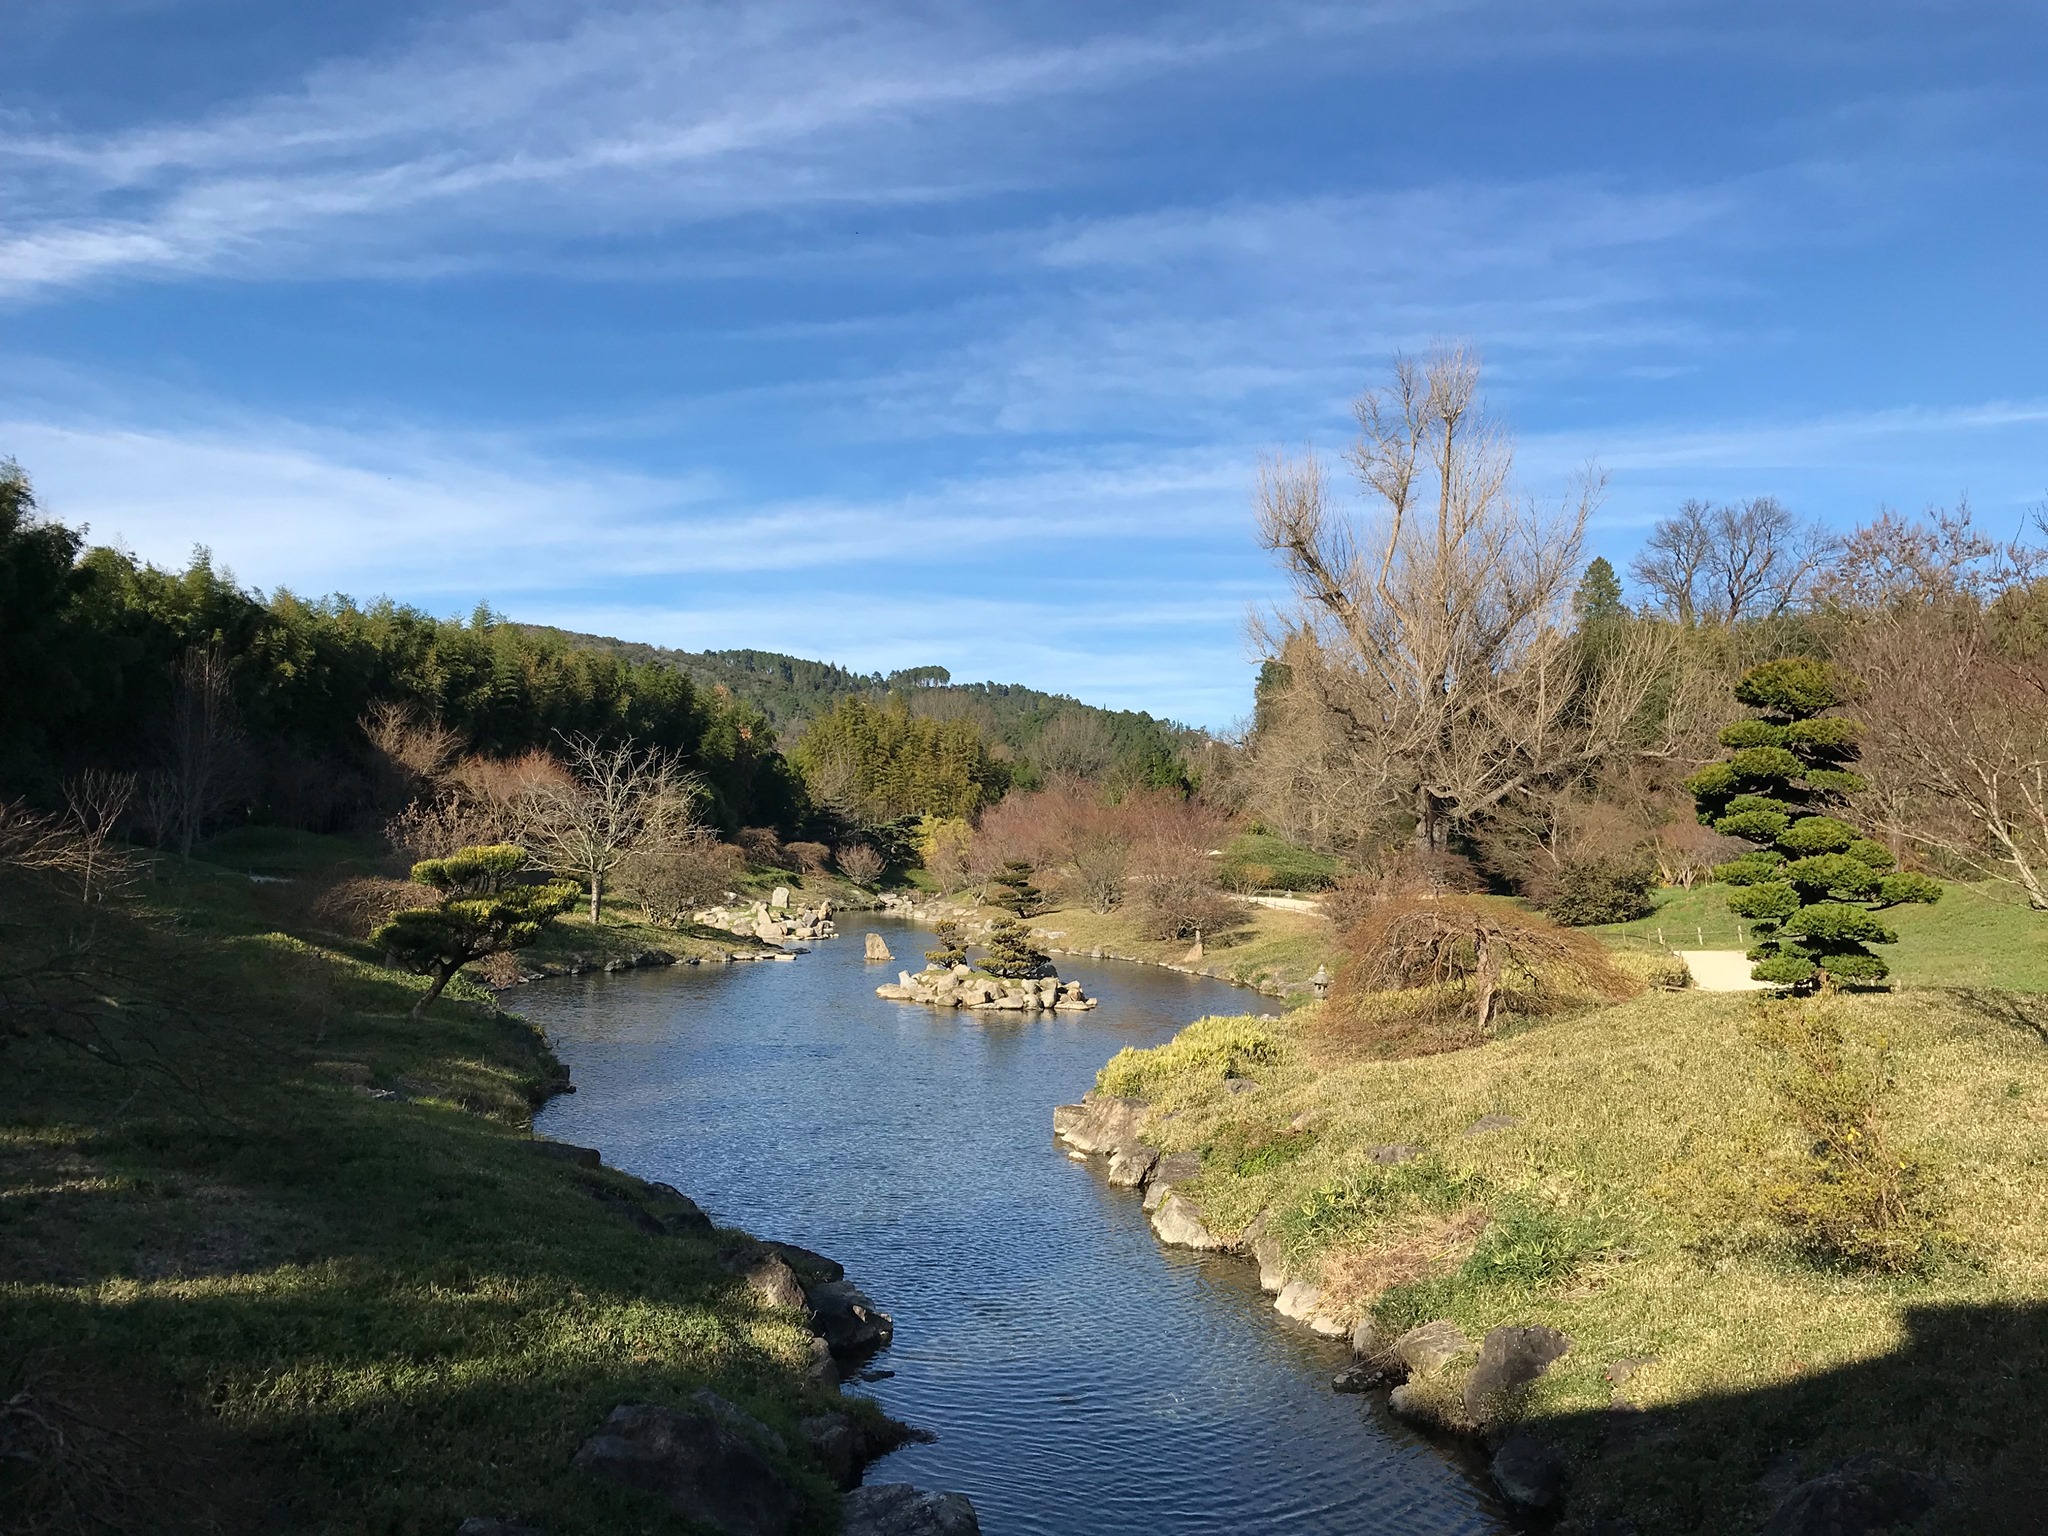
(1953,1414)
(2024,1012)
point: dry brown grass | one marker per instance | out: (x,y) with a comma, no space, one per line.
(1356,1275)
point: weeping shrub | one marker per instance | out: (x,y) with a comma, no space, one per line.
(1425,974)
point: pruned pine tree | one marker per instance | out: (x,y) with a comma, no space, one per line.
(1010,951)
(485,909)
(1813,883)
(951,949)
(1012,890)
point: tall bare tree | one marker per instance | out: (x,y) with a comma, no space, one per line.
(1941,625)
(616,799)
(199,751)
(1718,565)
(1427,662)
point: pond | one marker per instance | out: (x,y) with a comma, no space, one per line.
(1080,1377)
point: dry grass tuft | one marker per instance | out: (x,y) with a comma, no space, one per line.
(1355,1276)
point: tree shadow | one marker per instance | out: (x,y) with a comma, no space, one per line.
(1948,1427)
(2024,1012)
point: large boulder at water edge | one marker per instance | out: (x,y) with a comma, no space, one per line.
(1509,1359)
(1529,1474)
(897,1509)
(1860,1498)
(849,1323)
(709,1462)
(1099,1123)
(767,1273)
(1180,1225)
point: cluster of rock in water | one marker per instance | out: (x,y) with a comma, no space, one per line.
(773,921)
(964,987)
(715,1464)
(1435,1376)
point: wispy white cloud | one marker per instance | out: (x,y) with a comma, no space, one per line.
(612,119)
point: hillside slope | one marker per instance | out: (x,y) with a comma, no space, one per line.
(1044,732)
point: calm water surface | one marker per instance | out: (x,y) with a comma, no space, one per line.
(1081,1378)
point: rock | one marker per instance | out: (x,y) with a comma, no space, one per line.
(1177,1168)
(676,1211)
(1529,1474)
(1239,1085)
(877,949)
(1179,1225)
(897,1509)
(779,898)
(583,1157)
(1131,1166)
(1097,1123)
(1395,1152)
(847,1320)
(1298,1299)
(1364,1376)
(1413,1402)
(486,1525)
(811,1268)
(1487,1123)
(1619,1371)
(1365,1339)
(767,1274)
(1429,1347)
(1509,1359)
(1267,1251)
(707,1463)
(844,1444)
(1859,1498)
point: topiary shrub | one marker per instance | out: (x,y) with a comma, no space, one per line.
(951,948)
(1602,890)
(486,908)
(1813,882)
(1012,890)
(1010,952)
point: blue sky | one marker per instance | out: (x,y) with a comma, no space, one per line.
(944,332)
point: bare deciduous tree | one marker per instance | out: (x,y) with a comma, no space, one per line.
(97,800)
(859,863)
(614,799)
(674,875)
(1427,667)
(199,753)
(1719,565)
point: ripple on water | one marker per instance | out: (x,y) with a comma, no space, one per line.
(1081,1378)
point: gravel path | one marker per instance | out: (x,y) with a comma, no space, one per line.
(1721,970)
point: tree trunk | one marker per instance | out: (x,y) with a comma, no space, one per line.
(442,977)
(1489,981)
(596,898)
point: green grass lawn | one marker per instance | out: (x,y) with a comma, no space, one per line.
(1975,936)
(276,1256)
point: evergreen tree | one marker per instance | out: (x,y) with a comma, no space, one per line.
(1010,950)
(484,909)
(1012,889)
(1598,600)
(1813,883)
(952,948)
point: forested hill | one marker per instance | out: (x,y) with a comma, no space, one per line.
(1044,732)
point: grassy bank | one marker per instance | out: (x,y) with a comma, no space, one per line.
(1617,1198)
(1975,936)
(275,1256)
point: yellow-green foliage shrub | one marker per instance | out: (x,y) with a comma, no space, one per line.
(1204,1053)
(1653,968)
